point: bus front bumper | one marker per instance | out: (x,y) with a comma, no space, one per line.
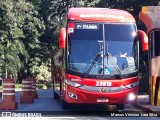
(78,95)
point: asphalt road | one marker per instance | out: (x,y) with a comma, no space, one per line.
(50,109)
(45,102)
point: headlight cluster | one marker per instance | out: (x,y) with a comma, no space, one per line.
(71,83)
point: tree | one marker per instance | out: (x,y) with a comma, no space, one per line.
(33,27)
(132,6)
(20,29)
(83,3)
(43,72)
(11,47)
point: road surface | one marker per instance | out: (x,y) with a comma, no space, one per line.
(46,108)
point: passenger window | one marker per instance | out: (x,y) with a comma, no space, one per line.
(154,43)
(157,43)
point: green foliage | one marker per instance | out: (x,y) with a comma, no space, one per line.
(44,86)
(132,6)
(84,3)
(40,86)
(43,73)
(18,86)
(10,38)
(49,85)
(20,29)
(40,48)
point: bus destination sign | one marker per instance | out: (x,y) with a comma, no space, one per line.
(86,26)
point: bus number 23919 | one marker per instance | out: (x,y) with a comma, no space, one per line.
(103,83)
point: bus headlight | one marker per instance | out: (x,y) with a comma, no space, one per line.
(132,85)
(71,83)
(131,97)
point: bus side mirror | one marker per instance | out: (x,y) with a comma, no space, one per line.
(144,40)
(62,38)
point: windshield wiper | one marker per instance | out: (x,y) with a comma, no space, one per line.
(103,55)
(93,63)
(112,61)
(100,54)
(115,65)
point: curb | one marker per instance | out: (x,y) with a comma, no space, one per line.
(146,109)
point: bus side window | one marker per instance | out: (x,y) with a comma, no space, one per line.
(157,43)
(154,42)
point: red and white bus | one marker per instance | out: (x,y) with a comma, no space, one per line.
(98,59)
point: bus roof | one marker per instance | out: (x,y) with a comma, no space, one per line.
(100,15)
(150,15)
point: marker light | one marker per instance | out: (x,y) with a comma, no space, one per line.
(71,27)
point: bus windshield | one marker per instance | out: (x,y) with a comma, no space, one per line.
(103,49)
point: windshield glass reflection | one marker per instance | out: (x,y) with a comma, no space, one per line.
(86,54)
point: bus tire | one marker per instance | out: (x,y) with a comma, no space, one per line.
(120,107)
(55,96)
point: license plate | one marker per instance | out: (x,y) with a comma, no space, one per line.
(102,100)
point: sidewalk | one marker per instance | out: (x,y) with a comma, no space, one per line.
(143,103)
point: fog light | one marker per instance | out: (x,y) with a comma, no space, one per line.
(72,95)
(131,97)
